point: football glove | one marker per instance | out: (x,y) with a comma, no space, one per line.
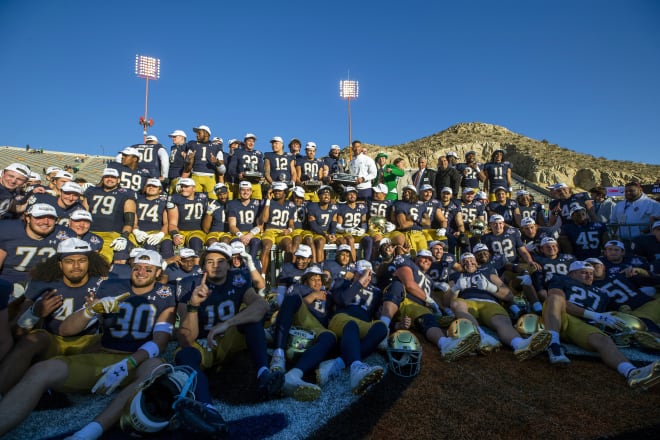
(484,283)
(389,227)
(441,285)
(359,232)
(156,238)
(109,304)
(249,262)
(525,280)
(606,319)
(212,208)
(441,232)
(119,244)
(112,377)
(139,235)
(461,284)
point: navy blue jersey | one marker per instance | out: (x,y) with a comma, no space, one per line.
(219,218)
(533,211)
(289,274)
(246,215)
(471,211)
(94,241)
(175,273)
(648,246)
(380,208)
(423,280)
(49,199)
(352,217)
(587,239)
(134,324)
(176,161)
(450,210)
(6,199)
(279,214)
(149,213)
(223,302)
(506,244)
(324,218)
(506,210)
(190,211)
(301,216)
(337,271)
(73,300)
(534,243)
(24,252)
(587,297)
(319,308)
(440,270)
(149,158)
(473,292)
(411,210)
(496,173)
(622,291)
(309,168)
(564,206)
(107,207)
(353,299)
(247,161)
(332,164)
(470,175)
(552,267)
(429,208)
(203,152)
(130,178)
(614,269)
(280,166)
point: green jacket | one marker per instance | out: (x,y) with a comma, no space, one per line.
(391,174)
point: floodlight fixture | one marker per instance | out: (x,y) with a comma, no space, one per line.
(149,69)
(349,89)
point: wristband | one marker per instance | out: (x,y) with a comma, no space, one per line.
(151,348)
(174,232)
(131,361)
(89,313)
(268,202)
(191,309)
(125,234)
(239,234)
(254,231)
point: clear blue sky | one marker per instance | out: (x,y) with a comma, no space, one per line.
(581,74)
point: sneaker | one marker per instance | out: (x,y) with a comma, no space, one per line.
(454,348)
(364,376)
(645,377)
(278,363)
(326,371)
(647,340)
(488,344)
(270,384)
(297,388)
(533,345)
(557,355)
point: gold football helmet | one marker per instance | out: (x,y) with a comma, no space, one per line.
(404,353)
(528,324)
(377,224)
(299,341)
(623,338)
(461,328)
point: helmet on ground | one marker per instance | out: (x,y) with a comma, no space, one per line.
(460,328)
(528,324)
(623,338)
(299,341)
(377,224)
(150,409)
(477,227)
(404,353)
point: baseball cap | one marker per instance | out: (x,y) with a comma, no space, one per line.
(469,190)
(522,192)
(481,196)
(135,252)
(495,218)
(42,210)
(151,138)
(380,188)
(593,261)
(499,188)
(61,174)
(452,154)
(202,127)
(130,151)
(221,248)
(527,221)
(314,270)
(276,139)
(244,184)
(383,241)
(560,185)
(19,168)
(576,208)
(152,258)
(304,251)
(479,247)
(218,140)
(178,133)
(547,240)
(250,136)
(298,191)
(580,265)
(81,214)
(470,152)
(425,253)
(447,189)
(410,187)
(220,187)
(324,188)
(345,247)
(186,181)
(467,255)
(237,247)
(279,186)
(381,154)
(110,172)
(362,266)
(438,243)
(335,147)
(154,182)
(234,141)
(73,246)
(310,145)
(616,243)
(34,176)
(50,169)
(656,225)
(350,189)
(71,187)
(187,253)
(426,187)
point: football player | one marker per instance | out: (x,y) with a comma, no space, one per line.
(203,161)
(506,241)
(433,221)
(310,171)
(214,223)
(532,235)
(582,237)
(243,218)
(352,222)
(131,175)
(127,355)
(301,230)
(341,267)
(451,209)
(221,315)
(475,295)
(242,261)
(471,209)
(290,273)
(552,263)
(616,261)
(566,201)
(409,302)
(471,171)
(322,220)
(177,158)
(648,246)
(153,158)
(151,222)
(529,208)
(407,218)
(113,210)
(277,216)
(504,206)
(12,179)
(183,266)
(571,301)
(248,165)
(184,213)
(67,201)
(306,306)
(58,287)
(278,165)
(496,173)
(80,222)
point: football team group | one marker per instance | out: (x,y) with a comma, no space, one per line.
(308,264)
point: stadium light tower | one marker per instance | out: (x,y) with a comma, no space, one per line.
(349,89)
(149,69)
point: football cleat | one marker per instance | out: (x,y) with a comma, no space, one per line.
(533,345)
(557,356)
(488,344)
(364,377)
(647,340)
(297,388)
(455,348)
(277,363)
(645,377)
(326,371)
(270,384)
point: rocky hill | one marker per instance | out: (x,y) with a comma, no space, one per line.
(540,162)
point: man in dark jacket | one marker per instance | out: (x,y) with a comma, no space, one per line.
(446,176)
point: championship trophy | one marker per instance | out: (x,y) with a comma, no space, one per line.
(251,173)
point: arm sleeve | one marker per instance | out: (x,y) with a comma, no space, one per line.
(164,163)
